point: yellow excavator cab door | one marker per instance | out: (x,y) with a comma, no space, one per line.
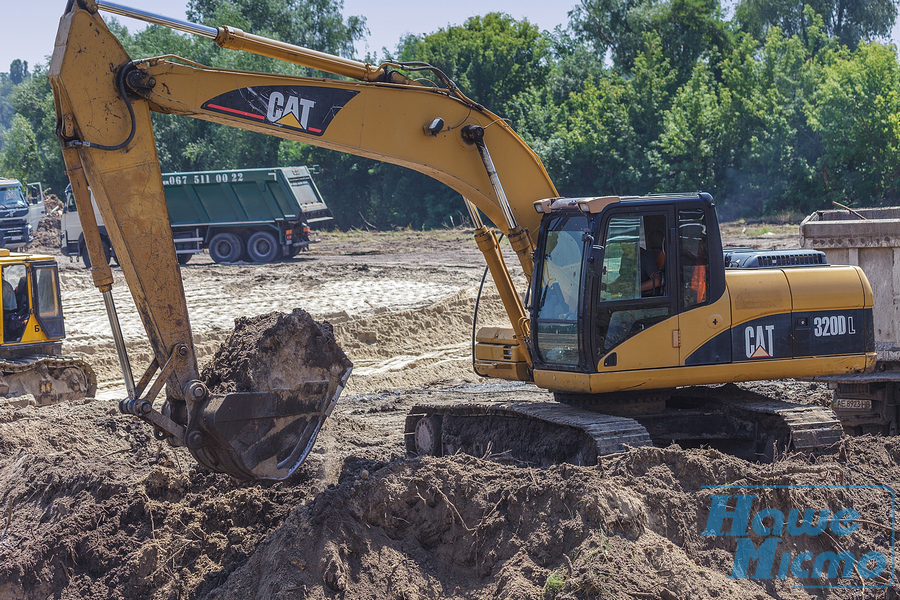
(32,310)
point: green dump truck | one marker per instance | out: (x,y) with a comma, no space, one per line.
(255,215)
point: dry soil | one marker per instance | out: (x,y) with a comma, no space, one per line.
(92,506)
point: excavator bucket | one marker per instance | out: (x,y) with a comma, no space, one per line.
(267,435)
(273,384)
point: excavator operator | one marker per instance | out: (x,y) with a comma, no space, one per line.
(653,261)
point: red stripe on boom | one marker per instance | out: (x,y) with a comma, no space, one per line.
(236,111)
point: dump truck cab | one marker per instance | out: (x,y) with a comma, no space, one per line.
(20,212)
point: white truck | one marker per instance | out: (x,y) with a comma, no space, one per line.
(21,210)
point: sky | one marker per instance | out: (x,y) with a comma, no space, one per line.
(34,32)
(31,24)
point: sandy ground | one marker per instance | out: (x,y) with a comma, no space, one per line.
(91,506)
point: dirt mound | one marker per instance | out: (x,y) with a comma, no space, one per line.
(47,236)
(417,347)
(462,527)
(276,350)
(93,507)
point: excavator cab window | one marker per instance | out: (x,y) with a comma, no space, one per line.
(15,302)
(634,290)
(558,297)
(46,302)
(693,257)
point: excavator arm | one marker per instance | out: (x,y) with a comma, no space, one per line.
(103,101)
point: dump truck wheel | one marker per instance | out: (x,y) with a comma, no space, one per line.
(262,247)
(82,249)
(225,248)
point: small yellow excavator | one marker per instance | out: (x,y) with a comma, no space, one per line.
(629,301)
(32,367)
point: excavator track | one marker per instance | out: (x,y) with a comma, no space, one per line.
(535,432)
(775,425)
(48,379)
(732,419)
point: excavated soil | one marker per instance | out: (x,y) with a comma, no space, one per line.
(92,506)
(275,350)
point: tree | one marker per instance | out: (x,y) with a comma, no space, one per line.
(597,140)
(20,158)
(848,21)
(688,29)
(315,24)
(857,113)
(36,148)
(6,108)
(693,149)
(573,62)
(745,136)
(18,71)
(491,58)
(591,150)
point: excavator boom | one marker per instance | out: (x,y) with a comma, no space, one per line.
(103,101)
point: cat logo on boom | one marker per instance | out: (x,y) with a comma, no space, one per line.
(293,111)
(304,108)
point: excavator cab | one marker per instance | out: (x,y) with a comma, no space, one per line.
(32,311)
(607,270)
(633,293)
(31,361)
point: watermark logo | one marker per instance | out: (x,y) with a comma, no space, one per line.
(815,546)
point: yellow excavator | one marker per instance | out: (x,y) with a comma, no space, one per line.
(629,301)
(33,370)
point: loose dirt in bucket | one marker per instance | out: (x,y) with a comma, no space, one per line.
(92,506)
(275,350)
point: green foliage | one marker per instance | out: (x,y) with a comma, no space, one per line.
(20,158)
(6,108)
(315,24)
(591,149)
(573,63)
(30,148)
(774,150)
(491,58)
(597,140)
(18,71)
(693,149)
(785,108)
(555,583)
(857,114)
(848,22)
(688,29)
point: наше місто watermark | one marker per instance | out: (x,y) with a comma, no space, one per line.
(817,546)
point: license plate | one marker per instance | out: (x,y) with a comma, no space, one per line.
(852,404)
